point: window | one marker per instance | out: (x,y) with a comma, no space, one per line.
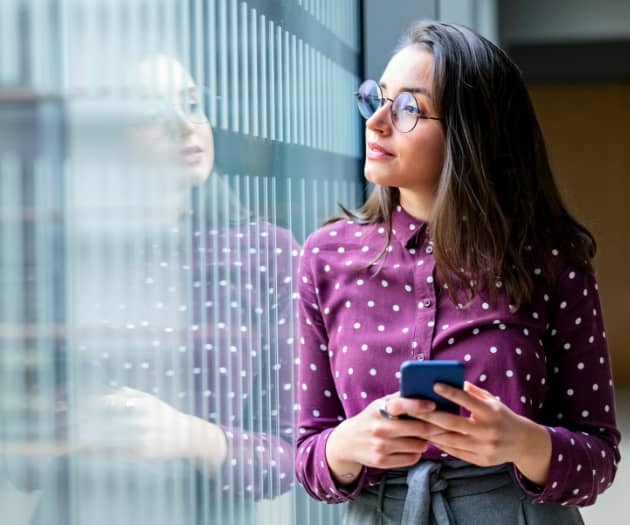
(161,163)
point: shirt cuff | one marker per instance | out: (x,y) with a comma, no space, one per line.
(558,472)
(336,493)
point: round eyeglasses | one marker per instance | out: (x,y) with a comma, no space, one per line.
(404,110)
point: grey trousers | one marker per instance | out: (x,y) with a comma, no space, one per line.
(435,493)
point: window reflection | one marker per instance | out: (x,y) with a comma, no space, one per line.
(155,186)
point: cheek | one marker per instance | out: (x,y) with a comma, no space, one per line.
(208,144)
(427,154)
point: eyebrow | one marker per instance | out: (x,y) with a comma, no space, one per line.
(420,90)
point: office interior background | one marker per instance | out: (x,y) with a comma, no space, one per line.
(130,276)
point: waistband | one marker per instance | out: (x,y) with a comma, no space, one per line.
(427,482)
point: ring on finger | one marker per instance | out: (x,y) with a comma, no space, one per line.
(384,412)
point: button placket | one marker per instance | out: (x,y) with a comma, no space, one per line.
(424,325)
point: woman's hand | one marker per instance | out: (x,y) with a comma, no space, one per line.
(140,425)
(492,434)
(372,440)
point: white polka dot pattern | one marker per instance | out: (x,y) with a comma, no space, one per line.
(530,359)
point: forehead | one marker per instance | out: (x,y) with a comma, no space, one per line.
(164,75)
(412,66)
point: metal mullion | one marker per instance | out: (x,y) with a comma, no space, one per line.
(244,95)
(236,329)
(286,87)
(198,264)
(259,308)
(253,23)
(308,96)
(279,92)
(219,502)
(320,100)
(247,348)
(235,60)
(264,81)
(301,117)
(223,46)
(272,93)
(293,90)
(274,350)
(210,21)
(330,83)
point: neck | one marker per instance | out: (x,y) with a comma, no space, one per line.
(417,204)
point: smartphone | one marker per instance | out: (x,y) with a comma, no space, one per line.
(418,377)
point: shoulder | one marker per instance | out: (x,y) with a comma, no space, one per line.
(344,233)
(572,278)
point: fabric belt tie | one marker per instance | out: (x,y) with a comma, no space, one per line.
(427,481)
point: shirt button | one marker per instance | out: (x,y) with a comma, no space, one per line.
(420,357)
(429,249)
(427,303)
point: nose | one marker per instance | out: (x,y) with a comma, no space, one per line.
(381,121)
(182,123)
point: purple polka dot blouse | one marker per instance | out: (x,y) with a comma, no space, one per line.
(547,361)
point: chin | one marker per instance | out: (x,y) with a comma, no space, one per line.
(197,175)
(379,177)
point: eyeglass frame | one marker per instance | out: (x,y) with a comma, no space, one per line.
(383,100)
(169,111)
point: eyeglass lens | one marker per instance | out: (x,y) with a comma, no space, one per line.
(404,110)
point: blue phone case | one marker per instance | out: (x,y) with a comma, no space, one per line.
(418,377)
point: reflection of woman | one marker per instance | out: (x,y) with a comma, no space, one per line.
(464,251)
(214,389)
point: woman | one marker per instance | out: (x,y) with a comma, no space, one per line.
(186,392)
(463,251)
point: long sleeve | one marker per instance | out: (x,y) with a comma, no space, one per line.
(580,400)
(319,408)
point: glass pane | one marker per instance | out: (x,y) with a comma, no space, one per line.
(161,162)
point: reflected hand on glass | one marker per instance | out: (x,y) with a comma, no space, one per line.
(136,424)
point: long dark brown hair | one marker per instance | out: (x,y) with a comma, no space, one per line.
(497,212)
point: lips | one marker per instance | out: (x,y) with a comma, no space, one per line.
(192,154)
(377,152)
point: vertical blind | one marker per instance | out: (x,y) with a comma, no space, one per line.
(161,162)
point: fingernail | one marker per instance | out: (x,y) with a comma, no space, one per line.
(439,388)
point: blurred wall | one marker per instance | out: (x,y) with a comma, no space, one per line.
(382,26)
(564,20)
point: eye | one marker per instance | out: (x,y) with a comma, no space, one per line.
(405,105)
(411,110)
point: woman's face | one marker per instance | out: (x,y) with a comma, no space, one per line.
(177,128)
(409,161)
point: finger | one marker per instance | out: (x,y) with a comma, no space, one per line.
(401,460)
(407,445)
(477,391)
(464,455)
(398,406)
(413,428)
(457,441)
(447,421)
(460,397)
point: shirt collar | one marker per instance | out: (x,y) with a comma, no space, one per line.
(405,227)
